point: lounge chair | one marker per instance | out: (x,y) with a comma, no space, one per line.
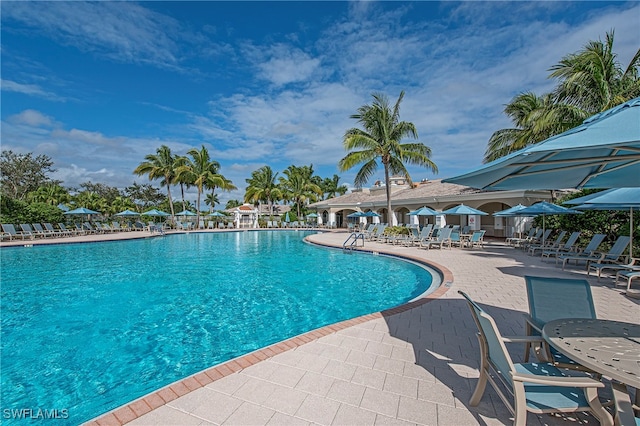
(589,250)
(542,239)
(27,230)
(56,232)
(554,298)
(476,240)
(89,228)
(548,245)
(612,256)
(528,240)
(423,235)
(629,276)
(39,230)
(454,238)
(568,247)
(10,230)
(440,240)
(535,387)
(633,264)
(514,241)
(63,228)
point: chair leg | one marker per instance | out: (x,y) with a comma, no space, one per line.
(599,412)
(484,375)
(520,404)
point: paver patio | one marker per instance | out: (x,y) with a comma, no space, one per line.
(417,366)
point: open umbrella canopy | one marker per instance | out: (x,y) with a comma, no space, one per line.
(544,208)
(511,211)
(63,207)
(464,210)
(186,213)
(423,211)
(356,214)
(156,212)
(612,199)
(286,218)
(371,214)
(81,210)
(127,213)
(217,214)
(602,152)
(312,215)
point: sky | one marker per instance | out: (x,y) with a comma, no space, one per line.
(98,86)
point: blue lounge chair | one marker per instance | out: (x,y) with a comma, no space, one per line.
(548,245)
(535,387)
(10,230)
(568,247)
(587,252)
(440,240)
(476,240)
(612,256)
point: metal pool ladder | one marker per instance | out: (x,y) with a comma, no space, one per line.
(352,241)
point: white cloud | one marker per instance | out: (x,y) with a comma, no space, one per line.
(29,89)
(32,118)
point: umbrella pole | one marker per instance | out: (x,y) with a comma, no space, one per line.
(630,233)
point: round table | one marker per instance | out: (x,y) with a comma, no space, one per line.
(608,347)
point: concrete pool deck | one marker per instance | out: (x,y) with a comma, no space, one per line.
(417,364)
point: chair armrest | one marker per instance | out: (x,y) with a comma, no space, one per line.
(522,339)
(564,381)
(532,323)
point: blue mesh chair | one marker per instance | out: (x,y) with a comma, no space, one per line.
(535,387)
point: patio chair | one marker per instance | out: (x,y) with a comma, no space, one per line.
(454,238)
(39,230)
(72,231)
(423,235)
(568,247)
(633,264)
(629,276)
(548,245)
(542,239)
(60,233)
(440,240)
(588,251)
(529,387)
(27,230)
(513,241)
(612,256)
(554,298)
(9,229)
(476,240)
(524,241)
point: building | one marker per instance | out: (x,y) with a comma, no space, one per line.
(434,194)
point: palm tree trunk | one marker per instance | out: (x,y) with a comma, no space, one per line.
(184,206)
(170,201)
(388,191)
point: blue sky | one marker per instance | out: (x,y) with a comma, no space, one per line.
(97,86)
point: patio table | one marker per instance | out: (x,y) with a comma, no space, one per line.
(611,348)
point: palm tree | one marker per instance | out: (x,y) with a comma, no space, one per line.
(593,80)
(52,194)
(590,81)
(217,181)
(211,200)
(198,170)
(381,139)
(299,186)
(331,187)
(160,166)
(262,187)
(181,160)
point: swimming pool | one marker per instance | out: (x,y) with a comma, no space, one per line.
(89,327)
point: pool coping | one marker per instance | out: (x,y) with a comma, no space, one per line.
(145,404)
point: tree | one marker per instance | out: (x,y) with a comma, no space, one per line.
(160,166)
(144,196)
(589,81)
(200,170)
(24,173)
(331,187)
(182,180)
(231,204)
(262,187)
(52,194)
(298,185)
(381,139)
(211,200)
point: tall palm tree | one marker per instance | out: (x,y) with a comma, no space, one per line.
(181,160)
(198,170)
(593,80)
(160,166)
(589,81)
(262,187)
(381,139)
(298,185)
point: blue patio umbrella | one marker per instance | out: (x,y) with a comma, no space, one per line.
(544,208)
(286,218)
(612,199)
(371,214)
(155,212)
(511,211)
(186,213)
(464,210)
(312,215)
(63,207)
(127,213)
(217,214)
(356,214)
(423,211)
(602,152)
(81,211)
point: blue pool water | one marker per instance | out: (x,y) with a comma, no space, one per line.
(89,327)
